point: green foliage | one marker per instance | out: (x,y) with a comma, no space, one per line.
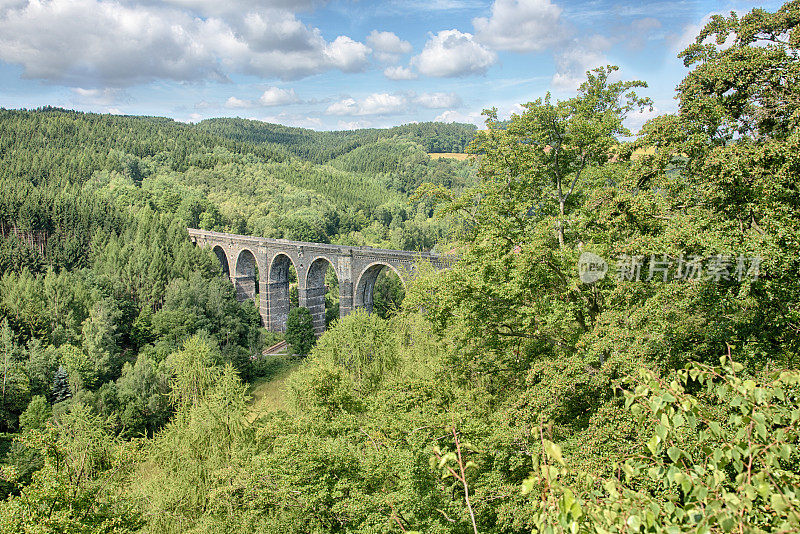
(193,459)
(722,458)
(36,414)
(300,331)
(363,344)
(602,402)
(81,484)
(60,390)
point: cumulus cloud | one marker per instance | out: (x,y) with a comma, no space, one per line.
(233,7)
(353,125)
(292,119)
(635,121)
(691,31)
(104,43)
(399,73)
(392,104)
(387,46)
(272,96)
(451,53)
(275,96)
(574,60)
(438,100)
(237,103)
(521,26)
(347,55)
(374,104)
(100,97)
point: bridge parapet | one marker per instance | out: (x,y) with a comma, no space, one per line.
(259,266)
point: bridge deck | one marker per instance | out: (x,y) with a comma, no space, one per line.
(326,247)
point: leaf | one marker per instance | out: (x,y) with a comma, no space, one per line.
(653,444)
(674,453)
(778,503)
(450,456)
(553,451)
(528,485)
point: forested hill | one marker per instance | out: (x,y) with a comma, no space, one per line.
(227,175)
(99,283)
(617,348)
(320,147)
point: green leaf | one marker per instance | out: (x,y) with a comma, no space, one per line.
(778,503)
(553,451)
(528,484)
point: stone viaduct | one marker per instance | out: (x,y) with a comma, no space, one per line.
(260,266)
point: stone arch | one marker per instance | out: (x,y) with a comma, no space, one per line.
(362,295)
(278,302)
(246,277)
(223,259)
(316,290)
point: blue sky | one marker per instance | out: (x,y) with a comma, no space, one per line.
(336,64)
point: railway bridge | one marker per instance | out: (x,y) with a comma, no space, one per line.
(261,266)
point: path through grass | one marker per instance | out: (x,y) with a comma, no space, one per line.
(267,392)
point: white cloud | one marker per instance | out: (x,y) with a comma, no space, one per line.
(691,31)
(275,96)
(399,73)
(105,43)
(438,100)
(393,104)
(456,116)
(347,106)
(347,54)
(635,121)
(404,6)
(86,42)
(353,125)
(232,7)
(387,46)
(236,103)
(374,104)
(521,26)
(272,96)
(289,119)
(100,97)
(451,53)
(574,60)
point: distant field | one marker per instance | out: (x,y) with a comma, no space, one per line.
(449,155)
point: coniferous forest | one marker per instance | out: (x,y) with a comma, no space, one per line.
(615,350)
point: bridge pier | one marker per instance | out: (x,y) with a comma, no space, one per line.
(260,266)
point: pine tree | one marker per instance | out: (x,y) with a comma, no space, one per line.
(60,388)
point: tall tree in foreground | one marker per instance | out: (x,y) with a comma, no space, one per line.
(300,331)
(735,144)
(515,294)
(534,167)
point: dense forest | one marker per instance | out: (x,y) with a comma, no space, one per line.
(616,349)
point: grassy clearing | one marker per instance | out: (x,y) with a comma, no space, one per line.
(267,392)
(449,155)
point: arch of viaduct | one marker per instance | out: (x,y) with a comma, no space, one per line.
(258,265)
